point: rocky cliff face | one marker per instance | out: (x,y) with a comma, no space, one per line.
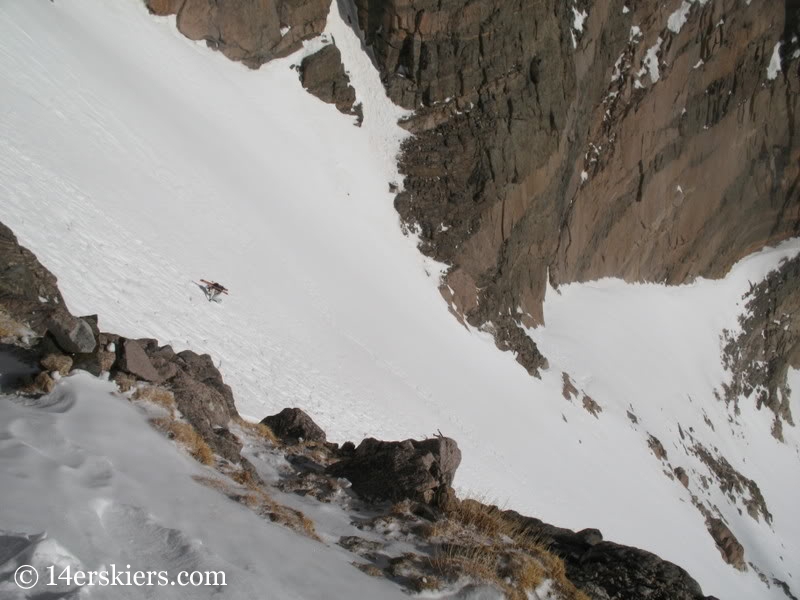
(643,140)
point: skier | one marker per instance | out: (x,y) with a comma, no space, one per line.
(213,290)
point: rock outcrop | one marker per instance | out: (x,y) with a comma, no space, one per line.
(394,471)
(609,571)
(28,292)
(588,147)
(323,75)
(250,31)
(729,547)
(768,345)
(293,424)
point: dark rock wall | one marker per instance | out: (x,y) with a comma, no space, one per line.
(684,175)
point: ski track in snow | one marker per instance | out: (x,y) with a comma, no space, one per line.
(134,162)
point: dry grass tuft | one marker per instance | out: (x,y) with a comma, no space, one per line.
(368,568)
(483,518)
(259,430)
(186,436)
(513,572)
(251,495)
(124,381)
(157,395)
(488,545)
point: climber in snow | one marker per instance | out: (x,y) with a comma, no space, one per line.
(213,290)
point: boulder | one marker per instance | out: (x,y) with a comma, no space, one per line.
(292,424)
(394,471)
(201,368)
(72,334)
(135,361)
(323,75)
(200,404)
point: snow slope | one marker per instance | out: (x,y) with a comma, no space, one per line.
(133,503)
(133,162)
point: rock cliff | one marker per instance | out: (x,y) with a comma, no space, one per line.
(644,140)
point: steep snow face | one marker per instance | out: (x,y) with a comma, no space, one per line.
(88,484)
(134,162)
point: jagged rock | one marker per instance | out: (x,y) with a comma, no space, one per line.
(292,424)
(509,336)
(28,292)
(72,334)
(323,74)
(135,361)
(201,404)
(201,368)
(609,571)
(729,547)
(733,483)
(769,344)
(251,31)
(394,471)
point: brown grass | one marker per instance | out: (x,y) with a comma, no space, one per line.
(157,395)
(259,430)
(251,495)
(185,435)
(500,550)
(513,572)
(369,569)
